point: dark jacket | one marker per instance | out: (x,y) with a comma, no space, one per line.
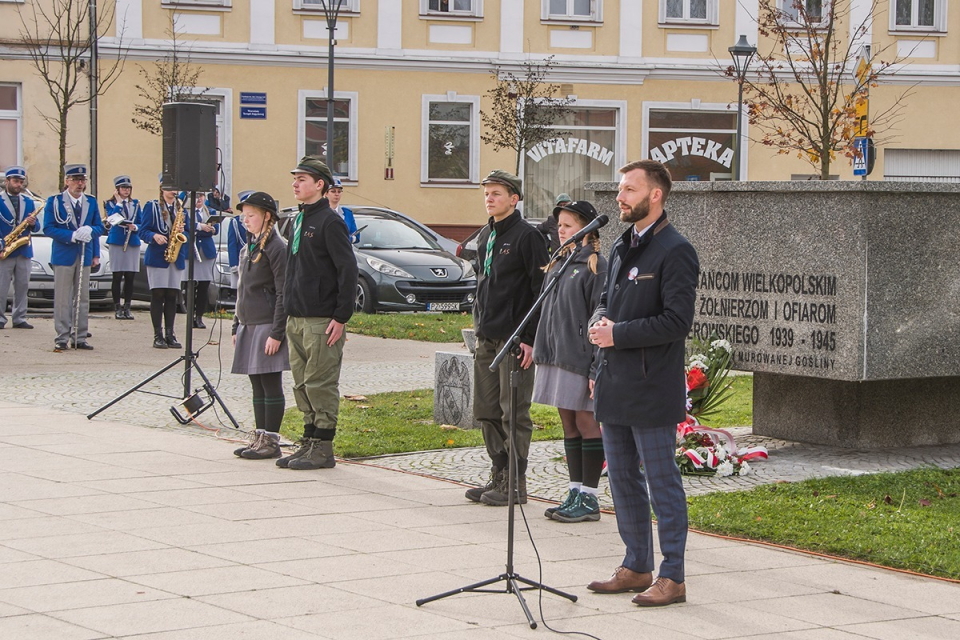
(156,218)
(550,232)
(650,295)
(562,337)
(322,277)
(260,290)
(506,295)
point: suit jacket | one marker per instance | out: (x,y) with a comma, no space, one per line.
(152,222)
(59,223)
(650,295)
(118,234)
(204,239)
(8,220)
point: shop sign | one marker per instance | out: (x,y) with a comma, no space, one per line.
(571,145)
(693,146)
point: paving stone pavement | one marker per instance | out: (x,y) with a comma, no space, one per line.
(373,365)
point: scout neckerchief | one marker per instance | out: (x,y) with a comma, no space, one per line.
(297,223)
(488,258)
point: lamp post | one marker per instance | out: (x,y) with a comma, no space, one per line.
(331,11)
(741,53)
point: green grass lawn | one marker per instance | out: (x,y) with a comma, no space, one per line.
(402,421)
(908,520)
(428,327)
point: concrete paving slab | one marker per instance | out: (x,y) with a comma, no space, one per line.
(270,550)
(204,582)
(144,617)
(378,623)
(41,627)
(831,609)
(257,630)
(287,602)
(135,563)
(76,595)
(929,628)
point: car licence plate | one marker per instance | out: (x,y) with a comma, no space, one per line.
(443,306)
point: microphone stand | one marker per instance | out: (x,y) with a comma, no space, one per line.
(192,403)
(510,576)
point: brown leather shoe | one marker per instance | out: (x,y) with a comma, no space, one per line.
(622,580)
(663,592)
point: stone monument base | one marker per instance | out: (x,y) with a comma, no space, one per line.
(453,390)
(857,415)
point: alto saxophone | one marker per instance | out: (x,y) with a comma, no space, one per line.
(14,241)
(176,238)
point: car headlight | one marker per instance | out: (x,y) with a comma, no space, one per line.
(388,269)
(223,268)
(468,271)
(36,267)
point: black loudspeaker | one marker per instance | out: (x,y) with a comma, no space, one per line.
(189,146)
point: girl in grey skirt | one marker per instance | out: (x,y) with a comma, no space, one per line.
(259,324)
(564,358)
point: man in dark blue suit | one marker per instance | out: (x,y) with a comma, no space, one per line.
(644,316)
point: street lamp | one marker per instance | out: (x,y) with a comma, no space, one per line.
(331,13)
(741,53)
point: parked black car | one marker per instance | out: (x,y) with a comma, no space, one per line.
(404,269)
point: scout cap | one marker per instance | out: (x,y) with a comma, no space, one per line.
(122,181)
(563,197)
(315,167)
(260,200)
(16,172)
(510,181)
(582,208)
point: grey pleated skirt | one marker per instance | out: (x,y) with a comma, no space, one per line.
(248,355)
(121,260)
(160,278)
(203,271)
(563,389)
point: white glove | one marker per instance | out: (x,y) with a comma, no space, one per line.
(83,234)
(76,236)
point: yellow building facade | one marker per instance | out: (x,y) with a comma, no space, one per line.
(645,79)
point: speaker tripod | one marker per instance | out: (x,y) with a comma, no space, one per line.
(513,579)
(192,403)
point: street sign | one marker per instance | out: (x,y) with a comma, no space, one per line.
(253,113)
(862,105)
(252,97)
(860,162)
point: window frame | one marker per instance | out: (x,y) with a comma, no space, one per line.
(596,14)
(476,12)
(939,19)
(474,172)
(695,106)
(353,127)
(790,22)
(712,19)
(197,5)
(16,115)
(350,7)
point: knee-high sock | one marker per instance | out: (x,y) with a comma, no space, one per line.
(273,400)
(115,288)
(573,447)
(157,297)
(592,461)
(256,381)
(200,299)
(127,287)
(169,308)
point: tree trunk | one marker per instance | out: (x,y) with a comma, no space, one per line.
(64,112)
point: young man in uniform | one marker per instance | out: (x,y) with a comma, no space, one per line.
(511,255)
(72,219)
(318,297)
(15,209)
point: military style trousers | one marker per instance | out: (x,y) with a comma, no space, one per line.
(65,301)
(316,370)
(491,404)
(18,270)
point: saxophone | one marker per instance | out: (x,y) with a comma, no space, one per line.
(176,238)
(14,241)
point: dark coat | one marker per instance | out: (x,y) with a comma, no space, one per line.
(516,277)
(155,218)
(322,276)
(260,289)
(650,295)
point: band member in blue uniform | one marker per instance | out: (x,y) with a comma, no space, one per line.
(15,209)
(72,219)
(205,262)
(157,222)
(334,193)
(123,242)
(236,238)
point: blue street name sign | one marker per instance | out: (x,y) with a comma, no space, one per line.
(860,164)
(253,113)
(247,97)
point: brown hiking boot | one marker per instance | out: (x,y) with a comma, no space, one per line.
(267,446)
(498,496)
(319,455)
(304,445)
(474,493)
(254,440)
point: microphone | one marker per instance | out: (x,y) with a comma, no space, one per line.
(597,222)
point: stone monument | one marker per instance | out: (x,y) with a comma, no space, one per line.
(453,386)
(841,297)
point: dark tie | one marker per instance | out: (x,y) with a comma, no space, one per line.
(126,210)
(634,239)
(15,201)
(77,211)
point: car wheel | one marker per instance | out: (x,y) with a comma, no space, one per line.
(364,300)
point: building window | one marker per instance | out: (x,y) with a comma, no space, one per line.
(579,10)
(793,11)
(10,125)
(313,140)
(588,149)
(450,139)
(452,8)
(347,6)
(919,15)
(196,4)
(694,144)
(689,12)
